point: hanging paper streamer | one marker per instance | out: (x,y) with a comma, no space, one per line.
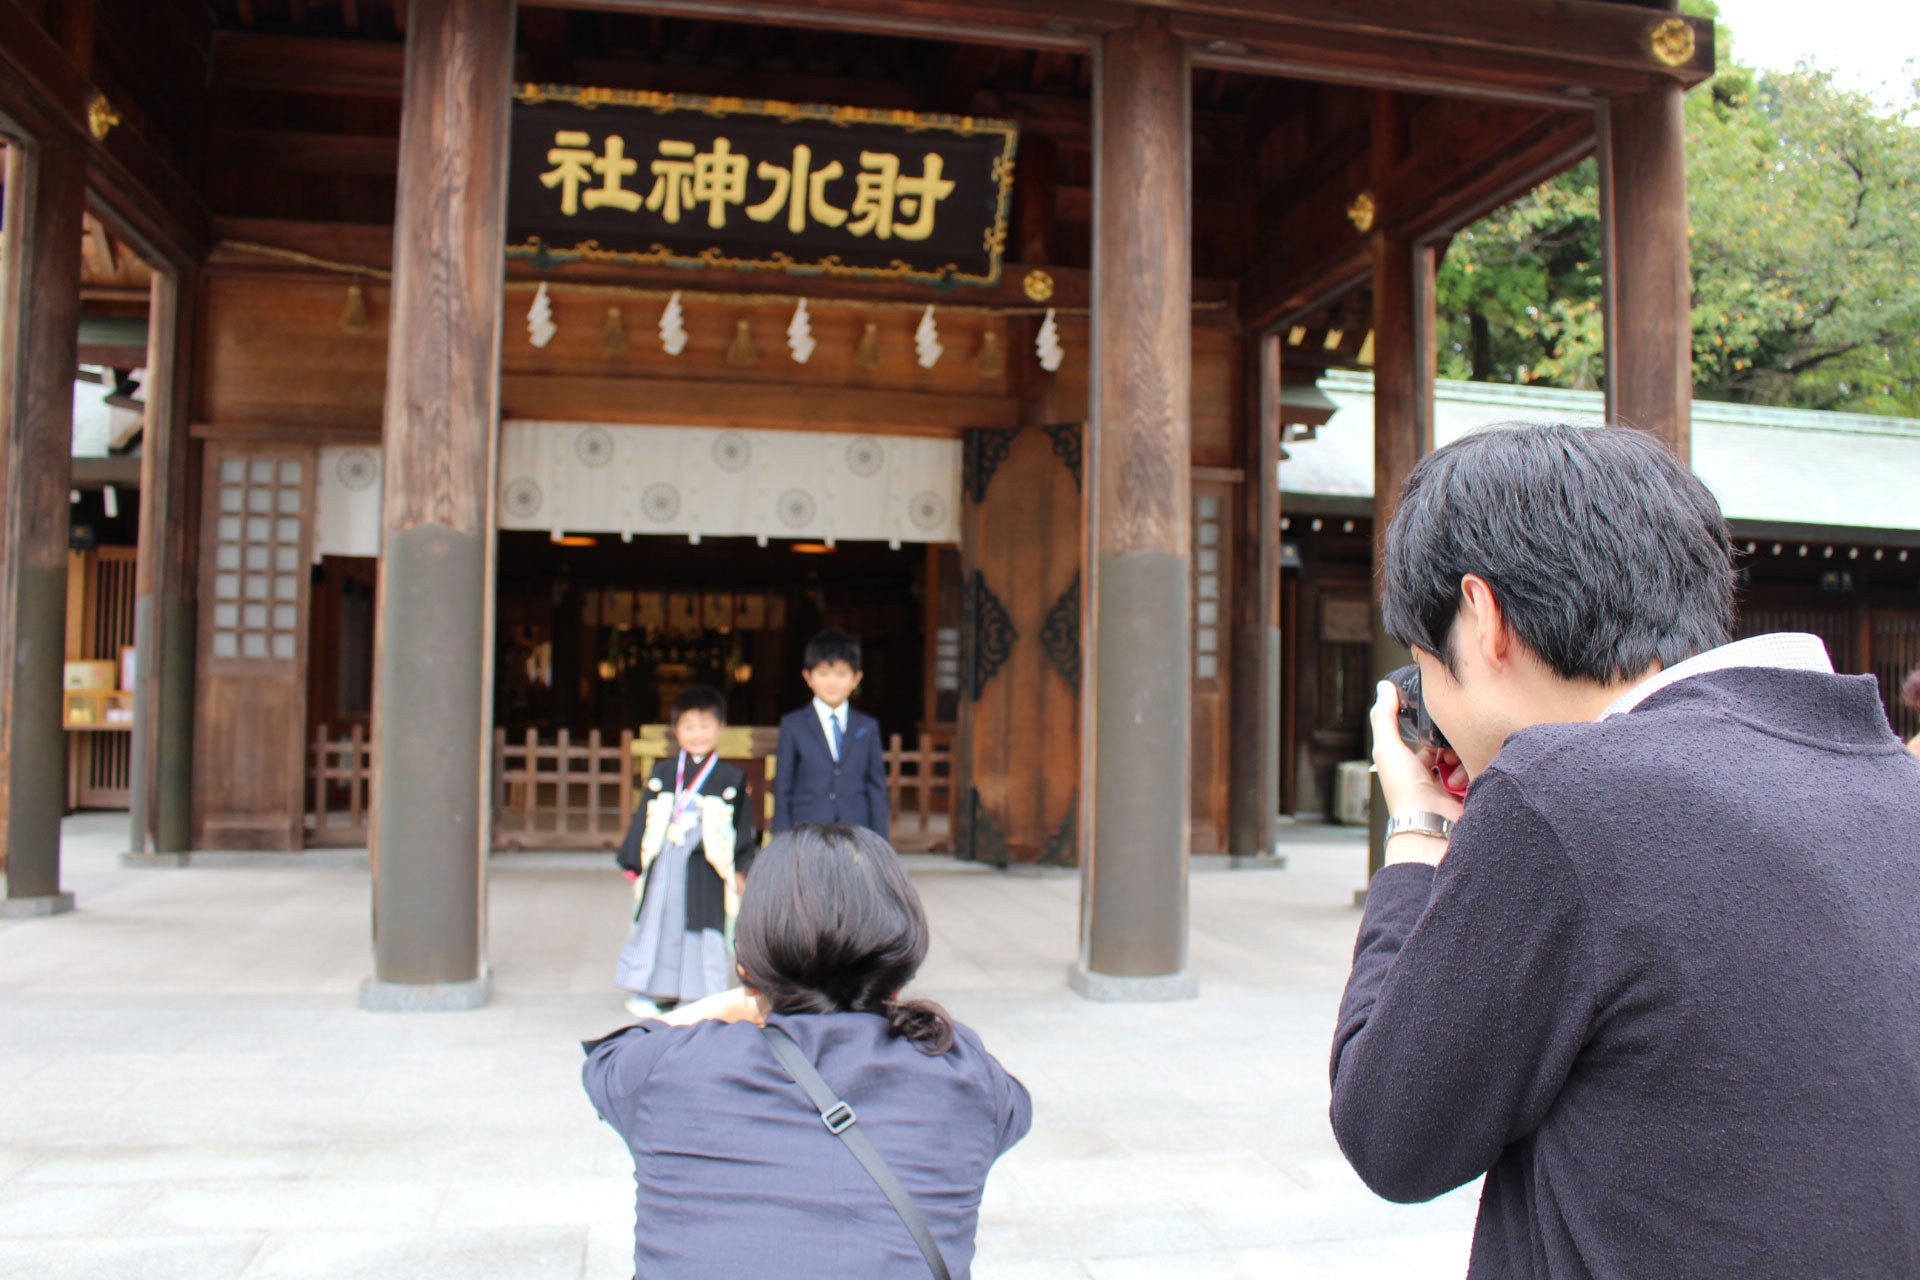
(540,325)
(1047,345)
(800,333)
(673,333)
(926,341)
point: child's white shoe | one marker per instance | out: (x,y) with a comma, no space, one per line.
(640,1007)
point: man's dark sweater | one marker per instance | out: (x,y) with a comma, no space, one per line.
(1664,991)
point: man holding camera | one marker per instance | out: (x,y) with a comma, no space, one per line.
(1658,978)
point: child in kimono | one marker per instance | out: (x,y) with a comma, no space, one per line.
(687,851)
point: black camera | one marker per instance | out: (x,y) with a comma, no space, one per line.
(1417,728)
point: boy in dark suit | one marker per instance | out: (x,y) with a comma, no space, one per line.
(829,767)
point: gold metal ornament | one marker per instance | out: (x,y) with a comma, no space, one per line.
(1038,286)
(1671,41)
(353,319)
(101,117)
(867,353)
(613,338)
(1361,212)
(742,351)
(991,362)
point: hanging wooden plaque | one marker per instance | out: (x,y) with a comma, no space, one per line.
(681,180)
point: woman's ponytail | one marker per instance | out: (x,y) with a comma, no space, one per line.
(923,1022)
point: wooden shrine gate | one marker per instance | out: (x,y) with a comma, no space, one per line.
(1023,532)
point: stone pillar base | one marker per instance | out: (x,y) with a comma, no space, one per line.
(46,904)
(1109,988)
(1257,861)
(425,997)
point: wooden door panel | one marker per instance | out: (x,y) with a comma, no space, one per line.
(1022,630)
(255,556)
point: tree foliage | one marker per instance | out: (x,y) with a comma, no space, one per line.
(1804,203)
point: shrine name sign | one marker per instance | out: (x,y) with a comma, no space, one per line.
(675,179)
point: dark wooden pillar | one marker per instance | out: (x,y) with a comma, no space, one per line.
(1254,795)
(164,599)
(40,291)
(1403,372)
(432,706)
(1134,918)
(1652,286)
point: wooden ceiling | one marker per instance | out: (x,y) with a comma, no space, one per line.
(367,19)
(302,118)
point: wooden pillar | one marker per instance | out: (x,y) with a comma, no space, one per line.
(1134,878)
(40,294)
(1254,795)
(164,599)
(431,813)
(1403,370)
(1652,286)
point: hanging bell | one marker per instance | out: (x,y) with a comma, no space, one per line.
(354,318)
(867,353)
(991,362)
(741,350)
(613,338)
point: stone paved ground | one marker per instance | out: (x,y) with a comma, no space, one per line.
(188,1090)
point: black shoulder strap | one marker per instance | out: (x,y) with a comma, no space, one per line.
(842,1123)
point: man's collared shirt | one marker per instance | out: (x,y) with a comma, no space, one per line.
(829,717)
(1782,650)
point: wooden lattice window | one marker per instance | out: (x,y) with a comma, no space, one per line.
(260,506)
(1209,573)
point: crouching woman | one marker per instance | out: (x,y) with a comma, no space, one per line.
(743,1166)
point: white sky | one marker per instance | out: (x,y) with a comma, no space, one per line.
(1866,43)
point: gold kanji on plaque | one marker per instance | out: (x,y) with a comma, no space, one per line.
(801,190)
(880,193)
(572,163)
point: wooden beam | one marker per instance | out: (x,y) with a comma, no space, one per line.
(433,652)
(299,64)
(1253,807)
(741,404)
(1652,329)
(165,576)
(1134,930)
(44,95)
(40,293)
(1404,326)
(1319,253)
(1543,45)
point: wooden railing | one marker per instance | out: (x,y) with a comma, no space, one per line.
(565,794)
(916,829)
(340,780)
(561,795)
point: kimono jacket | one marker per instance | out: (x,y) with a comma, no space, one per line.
(727,838)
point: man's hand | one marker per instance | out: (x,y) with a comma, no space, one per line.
(728,1006)
(1414,782)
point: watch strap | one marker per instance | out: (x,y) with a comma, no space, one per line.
(1427,824)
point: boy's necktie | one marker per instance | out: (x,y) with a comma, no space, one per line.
(839,737)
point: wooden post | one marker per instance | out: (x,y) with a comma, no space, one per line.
(1403,367)
(165,604)
(40,291)
(1133,943)
(433,699)
(1652,286)
(1254,787)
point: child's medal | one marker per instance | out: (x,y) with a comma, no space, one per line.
(686,800)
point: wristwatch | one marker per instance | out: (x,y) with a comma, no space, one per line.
(1427,824)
